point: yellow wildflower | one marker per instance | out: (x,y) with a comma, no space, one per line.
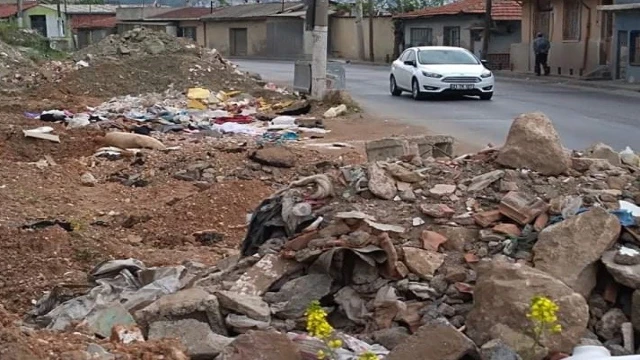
(368,356)
(335,344)
(317,324)
(320,355)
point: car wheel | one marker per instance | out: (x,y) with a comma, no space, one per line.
(486,96)
(393,87)
(416,94)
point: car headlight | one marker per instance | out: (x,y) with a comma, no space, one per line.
(431,75)
(486,74)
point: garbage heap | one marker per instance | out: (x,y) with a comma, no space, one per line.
(143,61)
(410,255)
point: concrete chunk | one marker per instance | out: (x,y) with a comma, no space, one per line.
(196,336)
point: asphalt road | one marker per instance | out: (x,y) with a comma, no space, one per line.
(582,116)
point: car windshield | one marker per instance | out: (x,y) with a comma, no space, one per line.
(446,57)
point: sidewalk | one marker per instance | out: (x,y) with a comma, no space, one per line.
(616,85)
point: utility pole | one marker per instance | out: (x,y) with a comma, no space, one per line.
(487,29)
(371,58)
(319,58)
(19,14)
(359,30)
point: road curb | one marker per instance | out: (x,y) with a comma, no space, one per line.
(592,85)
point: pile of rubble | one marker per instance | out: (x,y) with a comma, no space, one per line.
(412,253)
(14,66)
(129,63)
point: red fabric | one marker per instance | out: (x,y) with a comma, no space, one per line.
(500,9)
(235,119)
(10,10)
(93,21)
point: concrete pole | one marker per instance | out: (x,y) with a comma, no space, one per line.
(360,30)
(319,59)
(371,55)
(19,14)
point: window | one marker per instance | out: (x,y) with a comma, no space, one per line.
(448,57)
(39,24)
(187,32)
(411,56)
(634,48)
(404,55)
(421,37)
(451,36)
(571,23)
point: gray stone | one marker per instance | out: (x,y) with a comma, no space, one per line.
(610,326)
(391,337)
(250,305)
(437,340)
(423,263)
(154,46)
(261,345)
(583,239)
(501,299)
(241,323)
(481,182)
(497,350)
(533,143)
(99,353)
(403,174)
(259,278)
(628,340)
(627,275)
(196,336)
(193,303)
(295,296)
(408,196)
(87,179)
(442,189)
(635,310)
(605,152)
(380,184)
(102,320)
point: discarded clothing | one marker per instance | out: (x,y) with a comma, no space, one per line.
(234,119)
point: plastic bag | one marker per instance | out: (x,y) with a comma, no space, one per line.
(629,157)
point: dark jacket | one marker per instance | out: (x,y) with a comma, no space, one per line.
(541,45)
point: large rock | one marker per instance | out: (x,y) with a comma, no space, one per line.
(423,263)
(276,156)
(605,152)
(502,297)
(498,350)
(244,304)
(295,296)
(534,144)
(196,336)
(261,345)
(437,340)
(627,275)
(380,184)
(583,239)
(193,303)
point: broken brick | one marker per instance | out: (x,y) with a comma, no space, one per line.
(541,222)
(431,240)
(471,258)
(437,210)
(508,229)
(300,242)
(521,207)
(486,218)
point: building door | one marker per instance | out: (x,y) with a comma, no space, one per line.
(451,36)
(39,24)
(238,41)
(622,55)
(476,43)
(606,35)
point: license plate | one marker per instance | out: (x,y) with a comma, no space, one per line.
(461,86)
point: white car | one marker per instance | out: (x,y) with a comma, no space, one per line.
(433,70)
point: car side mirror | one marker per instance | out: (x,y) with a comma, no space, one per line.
(484,62)
(410,63)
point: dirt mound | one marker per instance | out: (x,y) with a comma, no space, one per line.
(14,65)
(142,61)
(138,41)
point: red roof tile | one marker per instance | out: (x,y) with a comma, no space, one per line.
(9,10)
(183,13)
(500,10)
(101,21)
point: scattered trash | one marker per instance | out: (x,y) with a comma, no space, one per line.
(42,133)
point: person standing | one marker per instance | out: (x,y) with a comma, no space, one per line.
(541,48)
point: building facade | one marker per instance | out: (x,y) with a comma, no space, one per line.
(625,47)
